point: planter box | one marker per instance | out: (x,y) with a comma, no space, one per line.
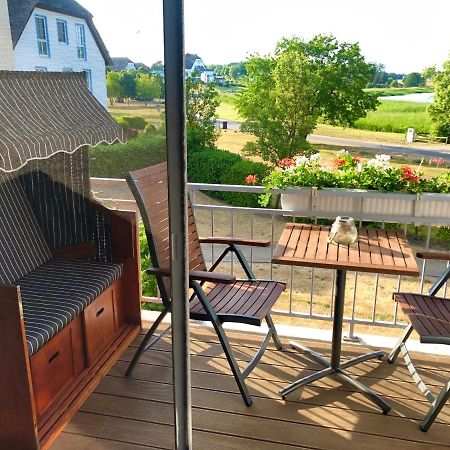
(368,205)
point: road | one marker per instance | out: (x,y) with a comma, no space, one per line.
(438,151)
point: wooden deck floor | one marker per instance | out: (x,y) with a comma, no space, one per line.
(132,414)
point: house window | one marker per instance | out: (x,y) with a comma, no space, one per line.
(88,75)
(41,69)
(42,35)
(63,36)
(81,41)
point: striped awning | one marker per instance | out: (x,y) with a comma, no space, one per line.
(46,113)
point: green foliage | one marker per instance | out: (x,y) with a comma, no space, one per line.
(236,175)
(115,161)
(150,129)
(127,81)
(440,109)
(287,93)
(429,73)
(207,166)
(222,167)
(113,87)
(149,286)
(201,106)
(394,84)
(413,79)
(135,122)
(147,86)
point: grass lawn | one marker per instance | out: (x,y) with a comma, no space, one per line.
(388,92)
(397,117)
(151,113)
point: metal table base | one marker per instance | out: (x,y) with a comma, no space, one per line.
(334,366)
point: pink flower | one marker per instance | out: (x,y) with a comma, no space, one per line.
(437,161)
(251,179)
(287,162)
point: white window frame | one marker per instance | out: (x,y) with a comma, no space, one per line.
(81,41)
(43,43)
(88,76)
(66,31)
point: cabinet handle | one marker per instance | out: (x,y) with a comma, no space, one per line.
(100,312)
(52,358)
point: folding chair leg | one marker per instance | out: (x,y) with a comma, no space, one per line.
(438,404)
(240,381)
(275,337)
(403,338)
(143,346)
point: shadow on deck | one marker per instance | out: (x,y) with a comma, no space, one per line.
(137,413)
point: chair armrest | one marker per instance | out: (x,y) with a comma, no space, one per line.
(443,256)
(197,275)
(235,241)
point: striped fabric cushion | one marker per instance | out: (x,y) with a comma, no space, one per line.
(59,290)
(22,245)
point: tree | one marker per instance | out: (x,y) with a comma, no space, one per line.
(288,92)
(413,79)
(127,80)
(237,70)
(113,86)
(158,65)
(429,73)
(201,105)
(147,87)
(439,110)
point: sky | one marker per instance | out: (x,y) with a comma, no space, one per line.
(405,36)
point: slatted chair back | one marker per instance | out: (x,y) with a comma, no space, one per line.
(150,190)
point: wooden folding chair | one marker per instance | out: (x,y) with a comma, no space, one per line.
(429,316)
(216,297)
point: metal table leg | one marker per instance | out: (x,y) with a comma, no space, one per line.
(334,366)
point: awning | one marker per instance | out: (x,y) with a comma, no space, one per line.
(46,113)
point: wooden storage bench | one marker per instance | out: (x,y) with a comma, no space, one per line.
(64,319)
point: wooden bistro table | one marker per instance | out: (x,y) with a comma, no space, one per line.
(376,251)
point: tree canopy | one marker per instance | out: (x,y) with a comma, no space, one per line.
(147,86)
(440,109)
(413,79)
(288,92)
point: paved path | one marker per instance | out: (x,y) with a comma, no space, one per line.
(438,151)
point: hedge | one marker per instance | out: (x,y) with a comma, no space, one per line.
(134,122)
(222,167)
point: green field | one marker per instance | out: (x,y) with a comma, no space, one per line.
(397,117)
(389,92)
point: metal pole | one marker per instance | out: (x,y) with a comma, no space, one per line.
(177,178)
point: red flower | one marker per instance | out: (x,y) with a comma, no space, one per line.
(251,179)
(410,175)
(340,162)
(286,162)
(356,159)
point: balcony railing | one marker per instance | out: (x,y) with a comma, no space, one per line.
(310,291)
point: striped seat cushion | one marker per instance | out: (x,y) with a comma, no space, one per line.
(22,245)
(59,290)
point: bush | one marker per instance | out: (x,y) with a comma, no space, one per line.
(236,174)
(115,161)
(207,166)
(223,167)
(150,129)
(134,122)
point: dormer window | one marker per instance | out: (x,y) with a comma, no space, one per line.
(81,41)
(63,36)
(42,35)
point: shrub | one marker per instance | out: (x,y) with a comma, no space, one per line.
(236,174)
(115,161)
(207,166)
(134,122)
(150,129)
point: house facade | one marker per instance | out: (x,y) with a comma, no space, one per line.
(193,63)
(53,36)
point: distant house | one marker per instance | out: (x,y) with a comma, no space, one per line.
(53,36)
(123,63)
(193,63)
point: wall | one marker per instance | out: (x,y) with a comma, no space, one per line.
(62,55)
(6,50)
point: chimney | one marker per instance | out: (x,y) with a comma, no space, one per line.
(6,47)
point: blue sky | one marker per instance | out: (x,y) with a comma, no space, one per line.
(404,35)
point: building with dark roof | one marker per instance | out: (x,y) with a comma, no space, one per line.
(53,36)
(123,63)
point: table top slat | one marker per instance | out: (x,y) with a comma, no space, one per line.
(375,251)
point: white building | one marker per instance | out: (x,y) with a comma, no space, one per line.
(53,36)
(193,63)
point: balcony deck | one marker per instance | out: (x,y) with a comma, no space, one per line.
(137,413)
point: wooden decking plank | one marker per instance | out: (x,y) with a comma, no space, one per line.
(264,403)
(68,441)
(302,431)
